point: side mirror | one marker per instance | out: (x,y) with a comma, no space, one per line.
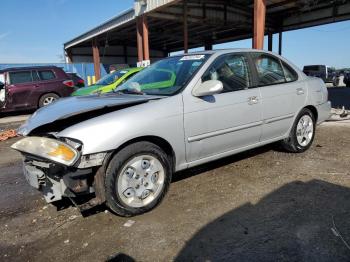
(208,88)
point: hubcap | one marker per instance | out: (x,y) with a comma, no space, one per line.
(141,180)
(305,130)
(48,100)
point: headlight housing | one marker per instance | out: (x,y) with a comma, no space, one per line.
(48,148)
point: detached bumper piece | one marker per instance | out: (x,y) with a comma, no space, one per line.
(56,181)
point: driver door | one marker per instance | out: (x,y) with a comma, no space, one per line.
(222,123)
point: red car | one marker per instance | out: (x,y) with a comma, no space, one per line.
(28,88)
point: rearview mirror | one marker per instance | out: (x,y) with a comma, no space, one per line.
(208,88)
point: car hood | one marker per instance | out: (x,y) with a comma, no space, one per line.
(84,106)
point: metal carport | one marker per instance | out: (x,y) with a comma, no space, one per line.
(154,28)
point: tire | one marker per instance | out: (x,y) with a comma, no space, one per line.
(294,143)
(129,178)
(47,99)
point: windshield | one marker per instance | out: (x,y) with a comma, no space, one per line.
(111,78)
(165,77)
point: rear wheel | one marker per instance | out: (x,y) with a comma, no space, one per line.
(302,133)
(137,179)
(47,99)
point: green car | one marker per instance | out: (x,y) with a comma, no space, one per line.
(108,83)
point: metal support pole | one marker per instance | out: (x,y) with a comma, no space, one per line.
(280,43)
(68,56)
(259,23)
(145,38)
(185,25)
(270,41)
(125,50)
(96,57)
(139,39)
(208,46)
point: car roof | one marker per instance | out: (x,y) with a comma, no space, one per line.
(228,51)
(26,68)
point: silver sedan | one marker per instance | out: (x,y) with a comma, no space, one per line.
(123,147)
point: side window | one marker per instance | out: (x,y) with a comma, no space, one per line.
(35,76)
(232,71)
(290,74)
(46,75)
(269,69)
(20,77)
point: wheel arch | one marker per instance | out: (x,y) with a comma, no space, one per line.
(159,141)
(313,110)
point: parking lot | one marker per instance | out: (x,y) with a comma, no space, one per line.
(262,205)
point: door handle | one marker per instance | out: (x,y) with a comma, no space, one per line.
(300,91)
(253,100)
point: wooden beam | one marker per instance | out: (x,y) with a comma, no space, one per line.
(259,23)
(139,39)
(96,57)
(145,38)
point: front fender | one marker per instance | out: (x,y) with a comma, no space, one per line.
(161,118)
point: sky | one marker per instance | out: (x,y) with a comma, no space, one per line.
(34,32)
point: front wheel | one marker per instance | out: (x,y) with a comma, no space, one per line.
(137,179)
(302,133)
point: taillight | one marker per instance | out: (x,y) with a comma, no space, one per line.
(81,81)
(69,83)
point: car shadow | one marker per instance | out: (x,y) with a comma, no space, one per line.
(299,221)
(16,113)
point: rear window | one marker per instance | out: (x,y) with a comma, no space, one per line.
(20,77)
(269,69)
(289,73)
(46,74)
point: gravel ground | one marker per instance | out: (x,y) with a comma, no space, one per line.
(262,205)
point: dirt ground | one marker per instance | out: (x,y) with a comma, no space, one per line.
(262,205)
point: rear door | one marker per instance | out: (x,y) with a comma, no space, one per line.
(20,89)
(282,95)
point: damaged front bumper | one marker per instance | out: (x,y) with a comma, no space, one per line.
(57,178)
(56,182)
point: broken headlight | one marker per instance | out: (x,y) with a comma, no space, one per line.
(48,148)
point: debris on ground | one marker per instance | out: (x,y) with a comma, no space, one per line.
(339,114)
(73,217)
(4,135)
(129,223)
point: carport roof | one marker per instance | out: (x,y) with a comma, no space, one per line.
(210,21)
